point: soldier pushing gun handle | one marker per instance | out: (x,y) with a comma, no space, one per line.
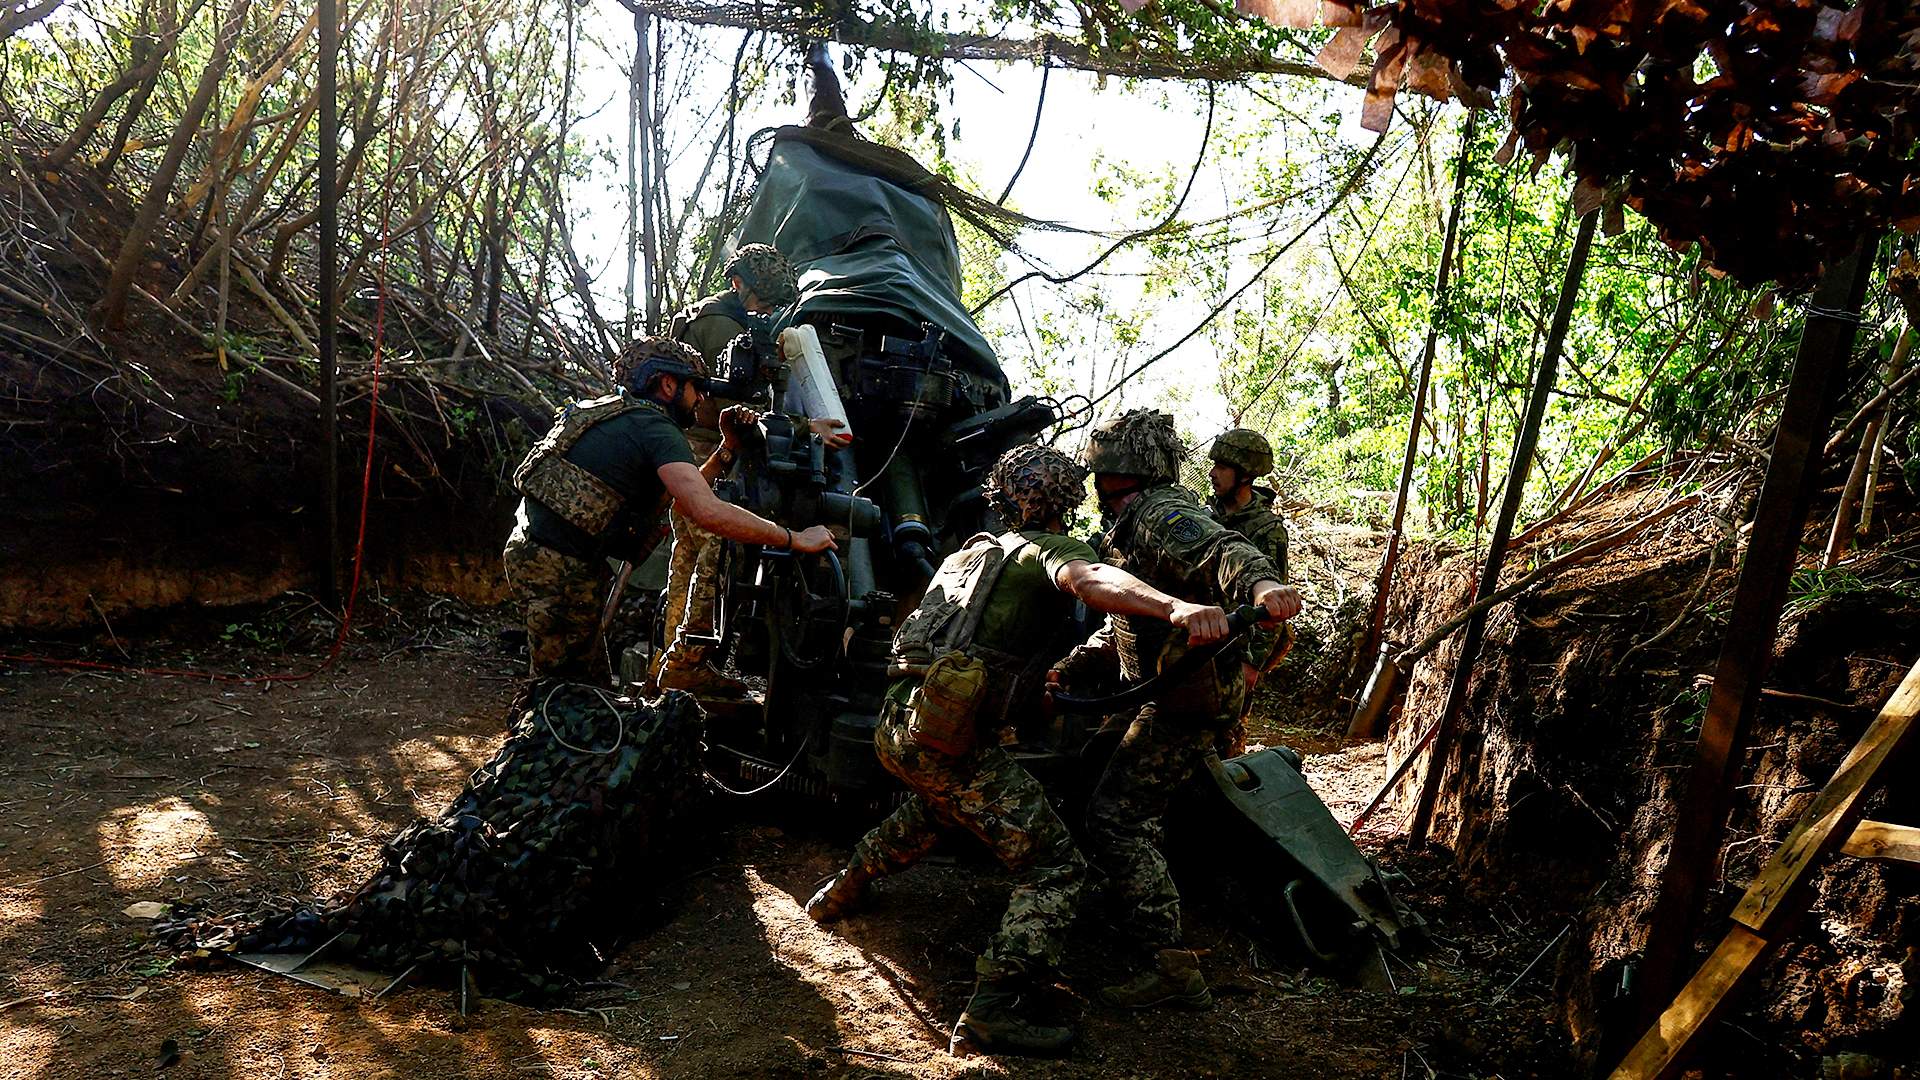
(960,661)
(597,487)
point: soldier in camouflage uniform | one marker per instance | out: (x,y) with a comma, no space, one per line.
(1006,614)
(1162,534)
(596,487)
(759,280)
(1240,458)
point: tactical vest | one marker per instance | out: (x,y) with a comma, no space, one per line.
(1161,518)
(579,497)
(963,683)
(954,604)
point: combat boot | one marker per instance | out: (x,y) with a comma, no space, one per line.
(1174,979)
(702,681)
(842,895)
(999,1019)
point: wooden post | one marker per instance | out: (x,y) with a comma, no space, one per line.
(1523,448)
(1819,372)
(1367,716)
(329,196)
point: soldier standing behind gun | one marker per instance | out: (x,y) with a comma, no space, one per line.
(596,487)
(1241,457)
(759,280)
(1163,535)
(989,610)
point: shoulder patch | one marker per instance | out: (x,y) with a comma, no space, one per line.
(1182,526)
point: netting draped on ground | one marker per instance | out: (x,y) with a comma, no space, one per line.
(527,880)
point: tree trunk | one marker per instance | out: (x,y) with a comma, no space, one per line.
(143,62)
(13,20)
(113,306)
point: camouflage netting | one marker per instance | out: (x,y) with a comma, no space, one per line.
(540,865)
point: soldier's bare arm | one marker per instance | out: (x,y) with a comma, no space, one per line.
(696,500)
(1113,590)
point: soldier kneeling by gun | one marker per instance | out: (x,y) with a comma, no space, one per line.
(991,608)
(597,486)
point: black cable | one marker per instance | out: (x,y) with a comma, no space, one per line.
(1346,189)
(1032,137)
(1206,137)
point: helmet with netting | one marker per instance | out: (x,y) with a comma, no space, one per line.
(1244,449)
(1140,443)
(766,271)
(1033,484)
(646,359)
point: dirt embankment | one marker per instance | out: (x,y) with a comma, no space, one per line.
(206,489)
(1577,734)
(141,472)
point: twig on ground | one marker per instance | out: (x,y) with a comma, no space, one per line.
(50,877)
(865,1053)
(1501,996)
(1788,695)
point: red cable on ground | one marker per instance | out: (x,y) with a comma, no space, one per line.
(360,535)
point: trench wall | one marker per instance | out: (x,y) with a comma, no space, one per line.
(1561,790)
(112,510)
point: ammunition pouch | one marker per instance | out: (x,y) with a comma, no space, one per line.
(946,705)
(580,498)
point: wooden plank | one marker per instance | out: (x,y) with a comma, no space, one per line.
(1831,818)
(1659,1051)
(1819,371)
(1884,840)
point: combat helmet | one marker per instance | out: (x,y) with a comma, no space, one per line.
(765,270)
(1140,443)
(1244,449)
(646,359)
(1033,484)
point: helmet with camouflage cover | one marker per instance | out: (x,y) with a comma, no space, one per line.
(1244,449)
(1140,443)
(1032,484)
(646,359)
(766,271)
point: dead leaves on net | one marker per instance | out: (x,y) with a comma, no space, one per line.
(1771,132)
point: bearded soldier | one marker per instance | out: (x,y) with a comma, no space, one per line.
(960,660)
(1240,458)
(596,487)
(1163,535)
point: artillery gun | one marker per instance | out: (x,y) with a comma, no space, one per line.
(879,337)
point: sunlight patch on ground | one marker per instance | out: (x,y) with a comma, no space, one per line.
(1346,779)
(144,845)
(583,1055)
(27,1049)
(871,1012)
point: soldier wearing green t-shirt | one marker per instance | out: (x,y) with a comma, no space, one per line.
(1161,533)
(975,786)
(597,485)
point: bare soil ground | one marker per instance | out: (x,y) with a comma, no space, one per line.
(117,788)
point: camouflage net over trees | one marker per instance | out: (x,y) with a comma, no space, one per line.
(1774,133)
(537,869)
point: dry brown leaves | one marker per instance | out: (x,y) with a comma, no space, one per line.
(1771,132)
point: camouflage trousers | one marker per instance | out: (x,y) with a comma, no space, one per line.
(1164,746)
(988,794)
(690,592)
(562,599)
